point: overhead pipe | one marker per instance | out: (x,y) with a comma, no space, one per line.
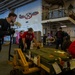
(5,7)
(22,4)
(7,4)
(13,5)
(3,11)
(3,1)
(17,3)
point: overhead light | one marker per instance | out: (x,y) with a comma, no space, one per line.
(63,26)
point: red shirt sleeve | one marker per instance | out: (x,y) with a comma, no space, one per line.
(24,35)
(33,35)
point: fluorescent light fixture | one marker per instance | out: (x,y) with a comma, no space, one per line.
(63,26)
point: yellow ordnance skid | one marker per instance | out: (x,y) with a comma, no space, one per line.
(53,59)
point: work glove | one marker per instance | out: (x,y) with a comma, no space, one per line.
(10,32)
(38,47)
(25,50)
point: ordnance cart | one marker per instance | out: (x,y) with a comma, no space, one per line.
(51,60)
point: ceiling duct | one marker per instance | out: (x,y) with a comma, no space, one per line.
(3,2)
(16,3)
(2,12)
(6,4)
(12,4)
(26,2)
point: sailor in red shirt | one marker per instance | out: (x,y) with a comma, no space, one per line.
(27,37)
(71,49)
